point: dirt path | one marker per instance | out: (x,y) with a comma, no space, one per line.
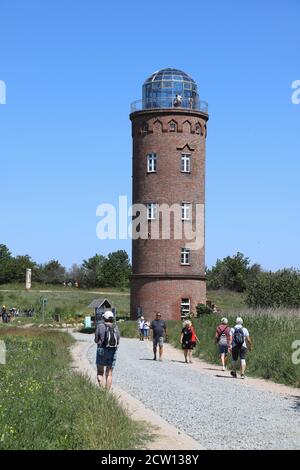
(257,414)
(167,437)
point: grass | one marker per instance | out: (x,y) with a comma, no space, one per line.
(273,333)
(65,301)
(44,405)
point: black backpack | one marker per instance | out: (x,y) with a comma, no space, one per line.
(187,336)
(239,337)
(110,338)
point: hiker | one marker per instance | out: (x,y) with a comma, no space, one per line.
(159,333)
(141,322)
(4,314)
(107,337)
(177,101)
(188,340)
(146,329)
(239,344)
(223,340)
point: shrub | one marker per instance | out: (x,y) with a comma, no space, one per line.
(203,309)
(274,290)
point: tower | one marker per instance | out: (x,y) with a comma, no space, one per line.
(169,133)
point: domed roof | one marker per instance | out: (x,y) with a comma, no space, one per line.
(169,88)
(170,74)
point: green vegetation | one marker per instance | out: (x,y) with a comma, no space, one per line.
(273,333)
(280,289)
(65,301)
(98,271)
(44,405)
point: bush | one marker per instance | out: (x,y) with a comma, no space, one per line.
(203,309)
(274,290)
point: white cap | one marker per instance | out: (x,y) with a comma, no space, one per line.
(239,321)
(224,321)
(108,315)
(142,318)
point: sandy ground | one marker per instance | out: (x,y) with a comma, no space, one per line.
(167,437)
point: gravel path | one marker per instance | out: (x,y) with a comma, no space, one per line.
(218,412)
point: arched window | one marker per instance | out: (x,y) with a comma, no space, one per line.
(172,126)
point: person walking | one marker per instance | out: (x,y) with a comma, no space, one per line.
(141,324)
(107,338)
(146,329)
(4,314)
(239,344)
(159,334)
(223,340)
(188,340)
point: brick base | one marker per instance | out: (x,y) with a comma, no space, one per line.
(164,295)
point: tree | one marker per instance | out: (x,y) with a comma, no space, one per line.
(93,271)
(51,273)
(274,290)
(20,264)
(117,269)
(230,273)
(6,265)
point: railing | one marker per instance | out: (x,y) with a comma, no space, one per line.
(174,103)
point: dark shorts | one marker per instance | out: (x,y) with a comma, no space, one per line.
(239,353)
(106,357)
(189,345)
(159,341)
(223,348)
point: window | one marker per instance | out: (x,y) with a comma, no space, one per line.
(185,256)
(185,308)
(172,126)
(185,163)
(197,128)
(151,211)
(151,163)
(186,211)
(145,127)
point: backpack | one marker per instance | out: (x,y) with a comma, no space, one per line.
(187,335)
(222,339)
(110,337)
(239,337)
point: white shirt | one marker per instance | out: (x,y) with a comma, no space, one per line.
(246,335)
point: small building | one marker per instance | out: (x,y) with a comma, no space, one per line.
(100,306)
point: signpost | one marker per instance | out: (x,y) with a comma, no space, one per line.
(43,301)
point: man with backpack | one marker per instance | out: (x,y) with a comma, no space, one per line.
(240,342)
(107,338)
(223,341)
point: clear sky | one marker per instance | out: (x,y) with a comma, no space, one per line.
(72,68)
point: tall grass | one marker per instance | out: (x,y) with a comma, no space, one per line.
(273,333)
(44,405)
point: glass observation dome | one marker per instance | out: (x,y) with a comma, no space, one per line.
(170,88)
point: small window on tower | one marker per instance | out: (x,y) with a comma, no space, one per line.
(172,126)
(151,162)
(185,163)
(197,128)
(185,308)
(145,127)
(186,211)
(151,211)
(185,256)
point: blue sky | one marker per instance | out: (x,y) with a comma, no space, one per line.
(72,68)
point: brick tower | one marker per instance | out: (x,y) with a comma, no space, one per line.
(169,133)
